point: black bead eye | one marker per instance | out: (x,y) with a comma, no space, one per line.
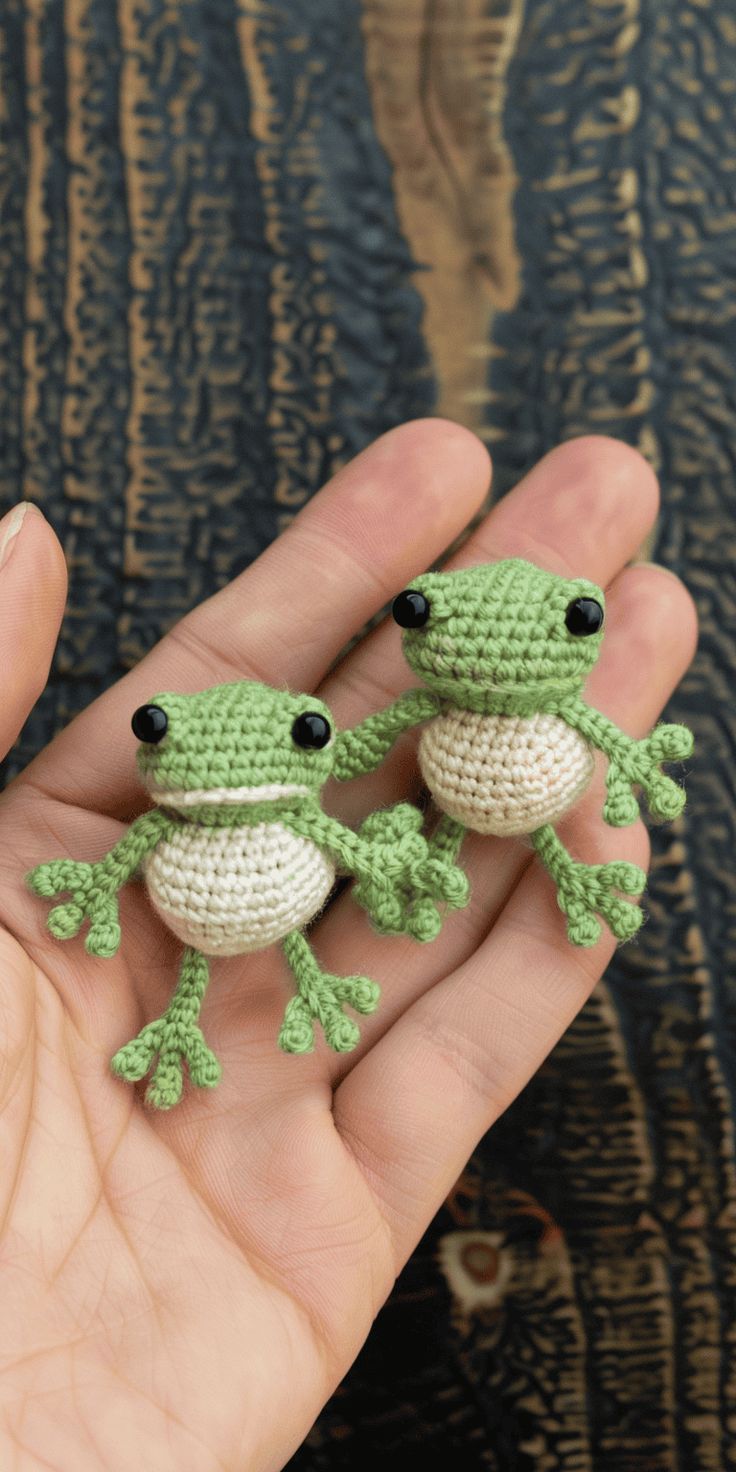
(584,616)
(150,723)
(311,730)
(410,610)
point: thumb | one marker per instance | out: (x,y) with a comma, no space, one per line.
(32,594)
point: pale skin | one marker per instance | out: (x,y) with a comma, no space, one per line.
(185,1290)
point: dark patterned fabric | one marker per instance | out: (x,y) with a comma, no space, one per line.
(238,240)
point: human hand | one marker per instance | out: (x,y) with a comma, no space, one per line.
(185,1290)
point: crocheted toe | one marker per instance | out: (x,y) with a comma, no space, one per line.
(622,919)
(103,938)
(360,992)
(58,875)
(204,1068)
(43,882)
(424,921)
(583,929)
(64,920)
(133,1061)
(665,797)
(341,1033)
(670,743)
(452,885)
(621,807)
(621,875)
(167,1085)
(297,1028)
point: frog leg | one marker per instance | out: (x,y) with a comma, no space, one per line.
(442,877)
(586,890)
(177,1039)
(421,874)
(447,839)
(321,997)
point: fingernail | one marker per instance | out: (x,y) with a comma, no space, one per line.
(10,527)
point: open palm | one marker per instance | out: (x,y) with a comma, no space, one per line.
(185,1290)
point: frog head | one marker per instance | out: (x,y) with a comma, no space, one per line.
(501,637)
(235,744)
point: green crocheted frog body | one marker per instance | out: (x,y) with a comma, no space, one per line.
(501,646)
(240,768)
(237,853)
(503,652)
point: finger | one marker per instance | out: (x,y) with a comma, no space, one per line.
(584,509)
(17,998)
(284,620)
(459,1055)
(32,594)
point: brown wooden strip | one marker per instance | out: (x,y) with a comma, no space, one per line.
(437,73)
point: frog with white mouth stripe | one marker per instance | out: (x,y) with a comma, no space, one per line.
(503,651)
(236,854)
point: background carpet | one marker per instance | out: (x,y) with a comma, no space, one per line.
(239,239)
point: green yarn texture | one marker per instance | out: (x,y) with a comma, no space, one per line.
(238,854)
(173,1040)
(502,669)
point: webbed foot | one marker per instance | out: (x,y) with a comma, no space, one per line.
(322,998)
(585,891)
(175,1044)
(176,1039)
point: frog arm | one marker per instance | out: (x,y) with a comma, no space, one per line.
(632,762)
(94,887)
(350,852)
(363,748)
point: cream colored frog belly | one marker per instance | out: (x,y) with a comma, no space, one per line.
(229,891)
(504,774)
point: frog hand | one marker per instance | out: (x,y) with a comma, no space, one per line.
(392,847)
(665,798)
(437,881)
(408,877)
(89,900)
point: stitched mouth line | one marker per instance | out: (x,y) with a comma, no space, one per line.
(192,797)
(478,680)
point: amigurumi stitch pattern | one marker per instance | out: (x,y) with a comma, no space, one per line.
(236,854)
(507,747)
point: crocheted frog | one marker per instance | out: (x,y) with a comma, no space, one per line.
(507,746)
(236,854)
